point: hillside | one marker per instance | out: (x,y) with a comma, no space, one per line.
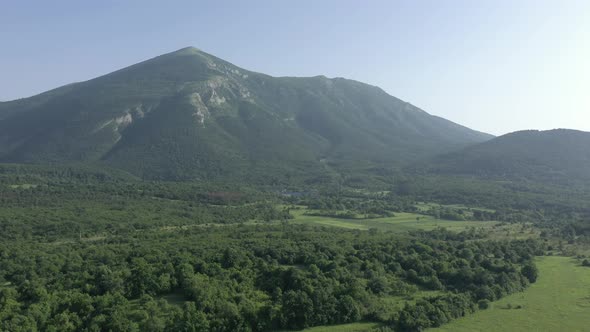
(547,156)
(190,115)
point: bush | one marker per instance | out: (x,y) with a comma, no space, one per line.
(483,304)
(531,272)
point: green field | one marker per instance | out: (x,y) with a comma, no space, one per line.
(558,301)
(425,206)
(22,186)
(354,327)
(401,222)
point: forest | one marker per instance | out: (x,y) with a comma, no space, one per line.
(86,250)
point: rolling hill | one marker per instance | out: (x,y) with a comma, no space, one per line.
(559,155)
(190,115)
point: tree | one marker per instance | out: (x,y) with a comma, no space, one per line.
(192,320)
(349,309)
(483,304)
(142,279)
(297,309)
(19,323)
(8,302)
(64,321)
(530,271)
(378,284)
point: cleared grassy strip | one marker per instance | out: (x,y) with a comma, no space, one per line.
(401,222)
(336,223)
(425,206)
(558,301)
(354,327)
(22,186)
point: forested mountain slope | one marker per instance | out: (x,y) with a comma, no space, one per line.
(190,115)
(546,156)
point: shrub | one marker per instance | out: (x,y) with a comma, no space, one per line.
(483,304)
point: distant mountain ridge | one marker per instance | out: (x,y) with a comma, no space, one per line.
(190,115)
(553,155)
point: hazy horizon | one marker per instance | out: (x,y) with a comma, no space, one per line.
(493,66)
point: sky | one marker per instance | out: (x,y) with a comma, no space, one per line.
(493,65)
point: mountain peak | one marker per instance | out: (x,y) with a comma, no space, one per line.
(190,115)
(187,50)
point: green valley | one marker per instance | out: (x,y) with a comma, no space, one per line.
(184,193)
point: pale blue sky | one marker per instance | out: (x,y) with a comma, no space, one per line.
(492,65)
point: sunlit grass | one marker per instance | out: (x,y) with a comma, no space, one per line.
(400,222)
(558,301)
(354,327)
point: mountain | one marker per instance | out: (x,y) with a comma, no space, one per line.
(190,115)
(559,155)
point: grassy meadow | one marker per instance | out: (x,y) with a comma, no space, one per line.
(558,301)
(400,222)
(354,327)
